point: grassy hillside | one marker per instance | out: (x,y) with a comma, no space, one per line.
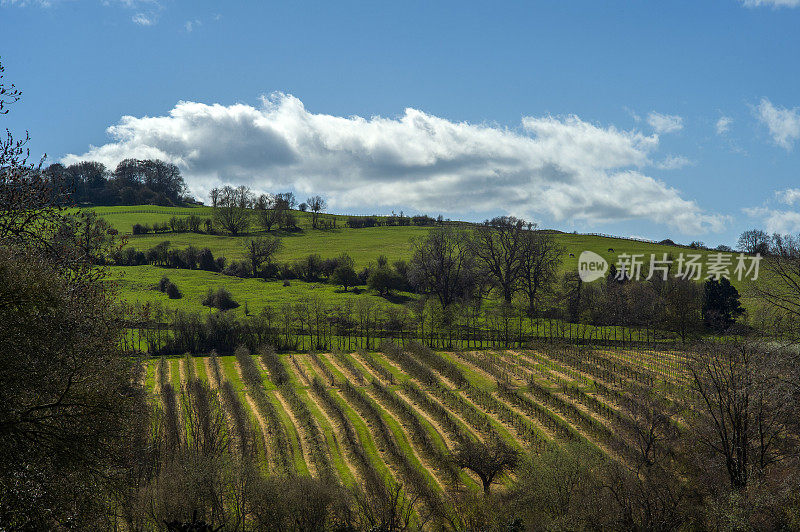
(363,245)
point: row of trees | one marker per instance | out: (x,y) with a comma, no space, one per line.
(132,182)
(236,209)
(505,255)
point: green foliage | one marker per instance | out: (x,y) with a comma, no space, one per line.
(220,299)
(721,305)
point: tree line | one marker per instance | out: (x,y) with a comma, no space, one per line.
(132,182)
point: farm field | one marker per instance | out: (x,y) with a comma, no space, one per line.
(399,414)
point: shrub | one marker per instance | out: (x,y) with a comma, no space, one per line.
(169,288)
(383,280)
(139,229)
(345,276)
(194,223)
(205,260)
(220,299)
(163,283)
(237,268)
(173,292)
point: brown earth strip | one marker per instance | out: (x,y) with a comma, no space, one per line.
(262,423)
(354,379)
(448,441)
(369,370)
(435,472)
(212,381)
(338,435)
(303,437)
(295,368)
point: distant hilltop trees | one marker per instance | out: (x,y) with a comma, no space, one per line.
(132,182)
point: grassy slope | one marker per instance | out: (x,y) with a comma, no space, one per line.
(364,245)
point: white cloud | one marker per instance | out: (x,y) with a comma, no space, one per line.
(776,220)
(771,3)
(664,123)
(790,196)
(724,124)
(192,24)
(674,162)
(143,20)
(563,168)
(779,219)
(26,3)
(783,124)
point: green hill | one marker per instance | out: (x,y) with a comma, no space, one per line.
(364,245)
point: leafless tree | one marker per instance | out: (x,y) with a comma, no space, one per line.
(443,265)
(232,211)
(754,241)
(539,262)
(498,245)
(778,286)
(316,204)
(486,459)
(260,251)
(745,397)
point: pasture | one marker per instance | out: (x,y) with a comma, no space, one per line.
(364,245)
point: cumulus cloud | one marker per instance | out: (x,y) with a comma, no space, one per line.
(771,3)
(790,196)
(724,125)
(560,167)
(664,123)
(783,123)
(776,220)
(674,162)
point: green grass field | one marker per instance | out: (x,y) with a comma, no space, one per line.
(363,245)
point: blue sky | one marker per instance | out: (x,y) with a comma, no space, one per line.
(653,119)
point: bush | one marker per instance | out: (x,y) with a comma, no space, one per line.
(383,280)
(237,268)
(173,292)
(169,288)
(139,229)
(205,260)
(220,299)
(344,276)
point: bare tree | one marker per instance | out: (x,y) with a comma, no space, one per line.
(286,200)
(443,265)
(487,460)
(682,313)
(754,241)
(778,286)
(214,194)
(499,244)
(539,264)
(745,399)
(260,251)
(268,212)
(316,204)
(232,211)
